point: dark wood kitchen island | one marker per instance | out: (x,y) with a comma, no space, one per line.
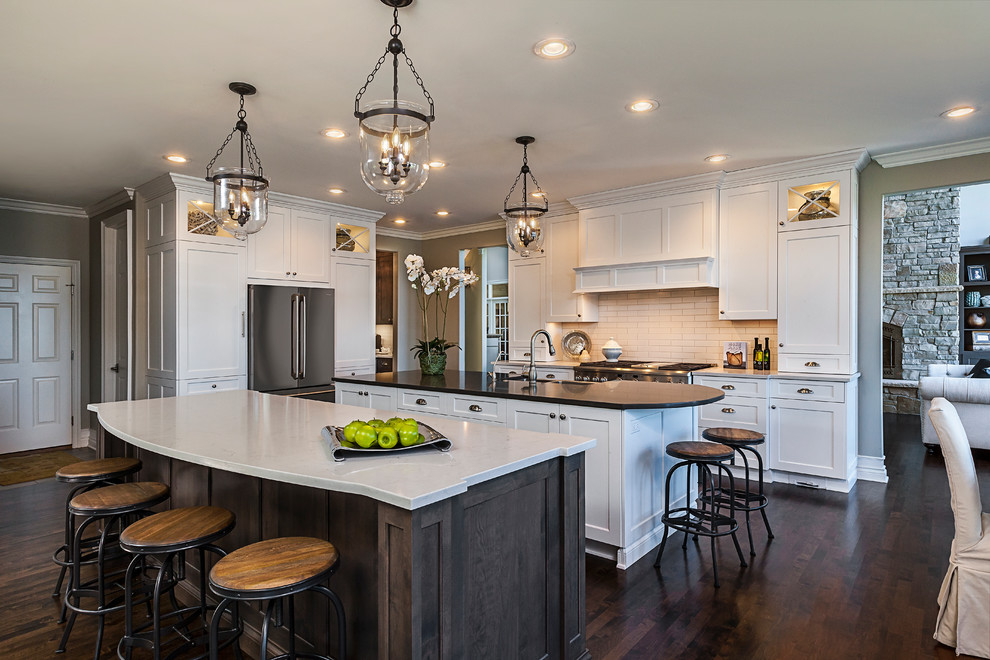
(473,553)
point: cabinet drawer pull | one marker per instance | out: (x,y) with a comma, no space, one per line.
(214,386)
(420,402)
(728,387)
(812,364)
(728,410)
(563,416)
(805,390)
(550,376)
(474,407)
(553,415)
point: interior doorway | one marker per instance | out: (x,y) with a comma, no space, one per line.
(484,307)
(117,277)
(39,332)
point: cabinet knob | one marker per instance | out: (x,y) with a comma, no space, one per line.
(354,373)
(286,272)
(812,364)
(563,416)
(805,390)
(553,415)
(728,387)
(781,345)
(420,402)
(773,407)
(333,249)
(474,407)
(781,223)
(293,273)
(728,410)
(579,316)
(214,386)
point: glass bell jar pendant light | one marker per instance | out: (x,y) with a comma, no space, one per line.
(522,218)
(240,194)
(394,134)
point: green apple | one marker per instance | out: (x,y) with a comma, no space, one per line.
(387,437)
(366,436)
(408,435)
(351,429)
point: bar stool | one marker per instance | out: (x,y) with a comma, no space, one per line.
(87,475)
(109,506)
(743,441)
(168,535)
(270,570)
(706,519)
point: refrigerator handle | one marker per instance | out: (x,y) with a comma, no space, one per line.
(294,334)
(302,337)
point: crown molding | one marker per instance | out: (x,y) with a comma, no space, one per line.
(123,197)
(463,229)
(842,160)
(936,152)
(41,207)
(649,191)
(399,233)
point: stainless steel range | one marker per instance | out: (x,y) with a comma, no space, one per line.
(653,372)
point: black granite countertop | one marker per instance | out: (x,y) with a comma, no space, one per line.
(617,394)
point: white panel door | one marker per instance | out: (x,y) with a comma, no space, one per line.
(813,292)
(527,416)
(311,246)
(603,468)
(35,356)
(268,250)
(563,305)
(354,306)
(808,437)
(747,253)
(527,306)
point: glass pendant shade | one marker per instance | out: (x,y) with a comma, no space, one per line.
(524,234)
(240,200)
(395,148)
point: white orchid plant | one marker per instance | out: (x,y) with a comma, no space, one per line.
(435,289)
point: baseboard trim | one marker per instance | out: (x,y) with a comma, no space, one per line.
(86,439)
(872,468)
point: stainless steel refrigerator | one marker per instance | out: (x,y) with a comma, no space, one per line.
(290,341)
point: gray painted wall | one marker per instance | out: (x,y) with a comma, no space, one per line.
(874,183)
(26,234)
(407,319)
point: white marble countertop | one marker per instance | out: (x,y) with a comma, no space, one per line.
(278,438)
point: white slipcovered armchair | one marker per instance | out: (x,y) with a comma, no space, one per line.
(964,599)
(970,396)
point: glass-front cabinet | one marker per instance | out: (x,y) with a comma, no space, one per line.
(354,239)
(818,201)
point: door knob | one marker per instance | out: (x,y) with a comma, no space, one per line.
(115,368)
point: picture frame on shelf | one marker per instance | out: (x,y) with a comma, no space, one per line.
(734,354)
(981,340)
(976,274)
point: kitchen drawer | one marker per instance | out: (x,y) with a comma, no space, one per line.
(477,408)
(810,390)
(814,364)
(212,385)
(418,400)
(555,374)
(510,369)
(750,414)
(735,386)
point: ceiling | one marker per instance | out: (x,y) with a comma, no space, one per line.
(95,93)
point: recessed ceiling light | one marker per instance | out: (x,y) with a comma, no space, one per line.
(643,105)
(717,158)
(335,133)
(961,111)
(554,49)
(443,213)
(399,221)
(336,191)
(437,164)
(175,158)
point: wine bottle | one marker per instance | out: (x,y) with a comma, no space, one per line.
(757,354)
(766,356)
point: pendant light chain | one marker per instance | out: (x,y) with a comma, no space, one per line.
(252,152)
(523,171)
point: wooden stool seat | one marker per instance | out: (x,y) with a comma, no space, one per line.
(699,451)
(273,568)
(101,469)
(119,498)
(733,437)
(177,529)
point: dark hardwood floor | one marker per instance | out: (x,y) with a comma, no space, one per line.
(847,576)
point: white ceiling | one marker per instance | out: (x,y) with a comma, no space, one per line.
(95,93)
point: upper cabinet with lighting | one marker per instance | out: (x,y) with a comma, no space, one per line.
(822,200)
(293,246)
(179,208)
(354,237)
(658,236)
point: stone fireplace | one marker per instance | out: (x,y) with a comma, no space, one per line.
(920,290)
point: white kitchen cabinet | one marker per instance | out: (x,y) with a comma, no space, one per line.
(816,299)
(747,252)
(353,281)
(378,398)
(745,406)
(212,385)
(561,247)
(293,246)
(812,429)
(353,238)
(527,306)
(178,207)
(819,200)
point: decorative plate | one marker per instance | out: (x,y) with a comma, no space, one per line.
(574,343)
(334,435)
